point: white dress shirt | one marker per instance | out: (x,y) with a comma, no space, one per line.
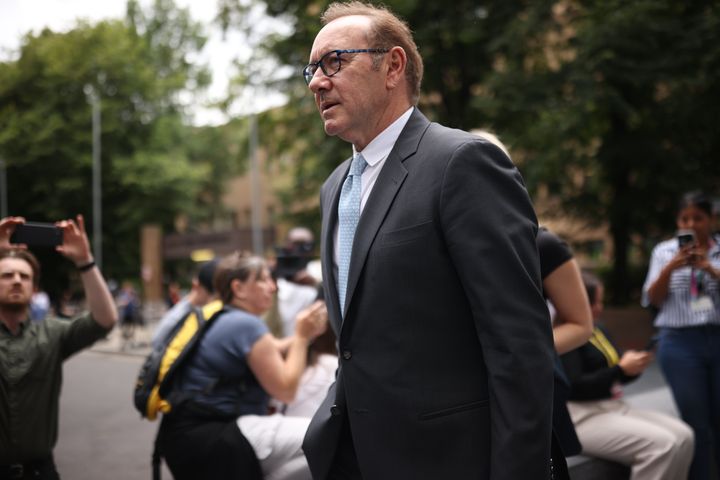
(375,154)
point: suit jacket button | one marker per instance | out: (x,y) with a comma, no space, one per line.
(347,355)
(334,410)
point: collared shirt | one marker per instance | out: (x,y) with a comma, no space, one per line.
(377,151)
(375,154)
(30,380)
(676,311)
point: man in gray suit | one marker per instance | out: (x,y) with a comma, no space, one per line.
(431,275)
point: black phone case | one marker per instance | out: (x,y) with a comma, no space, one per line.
(37,234)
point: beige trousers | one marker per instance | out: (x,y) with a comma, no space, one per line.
(656,446)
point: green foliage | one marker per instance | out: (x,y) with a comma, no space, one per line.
(611,105)
(614,112)
(455,41)
(149,172)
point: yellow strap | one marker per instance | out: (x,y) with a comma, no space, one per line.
(156,404)
(174,349)
(600,341)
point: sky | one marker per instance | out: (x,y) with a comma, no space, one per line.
(18,17)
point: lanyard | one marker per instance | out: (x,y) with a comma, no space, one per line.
(600,341)
(696,282)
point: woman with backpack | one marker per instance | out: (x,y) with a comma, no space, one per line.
(224,429)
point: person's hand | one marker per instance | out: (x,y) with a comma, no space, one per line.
(681,259)
(302,277)
(312,322)
(7,227)
(699,260)
(76,245)
(633,362)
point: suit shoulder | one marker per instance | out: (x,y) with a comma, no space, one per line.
(454,138)
(452,143)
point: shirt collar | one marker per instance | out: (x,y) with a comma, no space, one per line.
(23,325)
(379,148)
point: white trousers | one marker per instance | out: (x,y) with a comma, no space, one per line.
(277,441)
(656,446)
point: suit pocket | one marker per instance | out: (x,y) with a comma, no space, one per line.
(465,407)
(406,234)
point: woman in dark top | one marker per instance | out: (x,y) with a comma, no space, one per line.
(655,445)
(572,321)
(563,287)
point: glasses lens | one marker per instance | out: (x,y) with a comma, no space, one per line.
(309,73)
(331,63)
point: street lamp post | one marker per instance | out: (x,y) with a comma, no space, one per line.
(257,237)
(97,174)
(3,190)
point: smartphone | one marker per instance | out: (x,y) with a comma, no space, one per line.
(651,344)
(37,234)
(685,237)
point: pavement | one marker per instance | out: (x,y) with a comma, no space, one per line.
(649,391)
(135,343)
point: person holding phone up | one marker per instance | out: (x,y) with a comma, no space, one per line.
(683,283)
(31,354)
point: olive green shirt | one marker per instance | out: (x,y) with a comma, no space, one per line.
(30,381)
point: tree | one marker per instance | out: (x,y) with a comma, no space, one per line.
(608,104)
(455,40)
(138,68)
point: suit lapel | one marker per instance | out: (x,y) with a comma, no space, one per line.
(386,187)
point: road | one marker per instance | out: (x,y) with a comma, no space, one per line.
(101,435)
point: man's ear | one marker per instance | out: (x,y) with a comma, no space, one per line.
(397,61)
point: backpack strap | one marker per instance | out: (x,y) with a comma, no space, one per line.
(197,324)
(156,457)
(186,341)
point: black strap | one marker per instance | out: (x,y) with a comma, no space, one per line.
(156,457)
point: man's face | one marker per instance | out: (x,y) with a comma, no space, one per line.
(16,283)
(351,101)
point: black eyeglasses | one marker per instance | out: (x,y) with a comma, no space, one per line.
(331,62)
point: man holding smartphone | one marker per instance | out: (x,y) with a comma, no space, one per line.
(31,354)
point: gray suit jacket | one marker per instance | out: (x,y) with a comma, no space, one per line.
(445,367)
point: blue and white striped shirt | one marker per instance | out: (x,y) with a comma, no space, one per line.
(676,311)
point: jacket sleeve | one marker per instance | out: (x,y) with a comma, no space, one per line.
(588,383)
(490,229)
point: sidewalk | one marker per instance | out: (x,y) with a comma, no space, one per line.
(138,344)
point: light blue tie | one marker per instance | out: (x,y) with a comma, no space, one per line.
(348,217)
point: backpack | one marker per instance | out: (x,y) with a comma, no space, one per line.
(153,387)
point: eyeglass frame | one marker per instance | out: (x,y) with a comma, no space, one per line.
(309,76)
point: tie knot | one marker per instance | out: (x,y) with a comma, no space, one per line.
(357,167)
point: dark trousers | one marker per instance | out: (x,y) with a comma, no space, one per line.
(345,464)
(690,360)
(35,470)
(200,448)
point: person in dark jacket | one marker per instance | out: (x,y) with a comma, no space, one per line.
(655,445)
